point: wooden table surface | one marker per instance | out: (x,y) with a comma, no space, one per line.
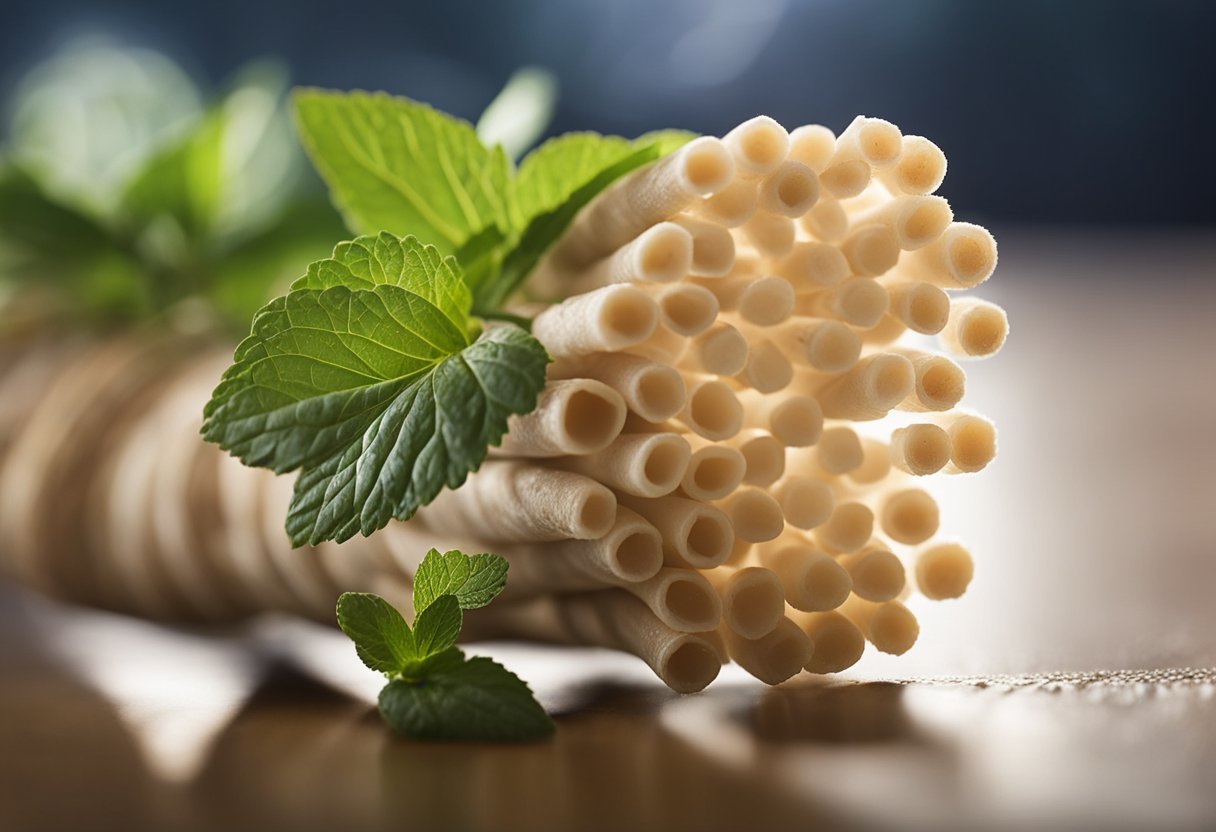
(1095,540)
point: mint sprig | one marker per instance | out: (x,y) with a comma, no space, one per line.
(396,164)
(124,199)
(371,377)
(434,692)
(392,163)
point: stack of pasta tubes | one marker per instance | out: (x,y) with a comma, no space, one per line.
(755,344)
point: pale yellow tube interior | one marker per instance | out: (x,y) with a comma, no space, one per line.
(910,516)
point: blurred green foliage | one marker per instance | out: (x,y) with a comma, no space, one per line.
(123,195)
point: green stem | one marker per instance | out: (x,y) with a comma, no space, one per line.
(498,315)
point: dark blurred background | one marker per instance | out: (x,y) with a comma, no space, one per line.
(1050,111)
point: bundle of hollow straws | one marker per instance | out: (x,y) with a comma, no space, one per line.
(722,464)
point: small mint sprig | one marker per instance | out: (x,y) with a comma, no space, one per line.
(434,692)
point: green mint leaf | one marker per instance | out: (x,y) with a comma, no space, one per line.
(364,377)
(481,256)
(554,183)
(392,163)
(475,580)
(559,167)
(382,638)
(437,627)
(429,435)
(441,662)
(35,222)
(477,700)
(324,360)
(228,175)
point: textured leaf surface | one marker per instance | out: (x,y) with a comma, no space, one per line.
(382,638)
(396,164)
(475,580)
(364,377)
(437,627)
(477,700)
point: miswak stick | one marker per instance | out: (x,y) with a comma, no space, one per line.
(943,571)
(712,410)
(763,456)
(877,142)
(713,247)
(641,464)
(758,146)
(870,390)
(516,502)
(795,421)
(824,345)
(789,191)
(713,472)
(811,579)
(631,552)
(963,257)
(847,530)
(654,391)
(204,582)
(720,350)
(812,145)
(767,369)
(733,205)
(766,301)
(889,626)
(877,574)
(827,221)
(686,662)
(845,179)
(909,516)
(838,642)
(687,309)
(920,449)
(607,319)
(939,386)
(860,301)
(772,235)
(728,288)
(921,307)
(972,444)
(806,502)
(811,266)
(775,656)
(754,515)
(660,254)
(663,345)
(695,535)
(916,221)
(837,452)
(920,169)
(873,250)
(885,333)
(753,601)
(34,467)
(975,328)
(643,198)
(681,598)
(576,416)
